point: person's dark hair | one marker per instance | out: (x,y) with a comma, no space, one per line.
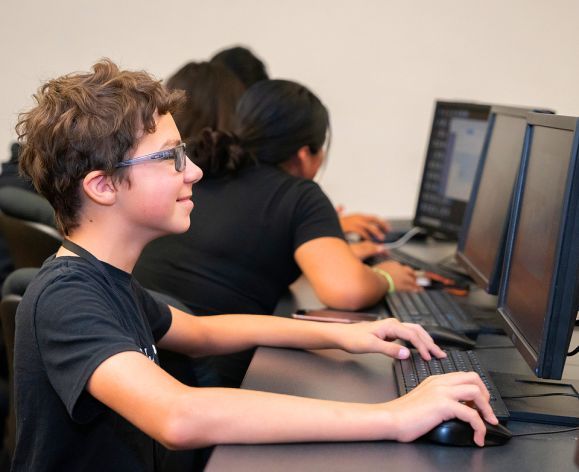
(212,93)
(273,120)
(243,63)
(84,122)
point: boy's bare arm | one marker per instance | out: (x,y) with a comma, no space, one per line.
(210,335)
(183,417)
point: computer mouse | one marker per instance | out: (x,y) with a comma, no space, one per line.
(458,433)
(448,337)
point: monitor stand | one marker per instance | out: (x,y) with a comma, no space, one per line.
(542,401)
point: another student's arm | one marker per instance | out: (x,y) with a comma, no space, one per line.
(365,249)
(182,417)
(341,281)
(366,226)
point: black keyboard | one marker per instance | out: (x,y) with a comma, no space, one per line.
(410,372)
(440,268)
(432,308)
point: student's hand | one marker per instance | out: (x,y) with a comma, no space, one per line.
(366,226)
(377,336)
(439,398)
(365,249)
(404,277)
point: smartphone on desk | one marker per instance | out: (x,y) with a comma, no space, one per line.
(333,316)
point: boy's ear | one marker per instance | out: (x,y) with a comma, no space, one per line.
(99,187)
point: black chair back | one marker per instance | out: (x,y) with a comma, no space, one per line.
(12,291)
(28,243)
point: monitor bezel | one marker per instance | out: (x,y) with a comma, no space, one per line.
(432,230)
(563,297)
(489,284)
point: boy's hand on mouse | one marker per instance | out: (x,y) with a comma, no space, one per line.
(403,276)
(378,336)
(440,398)
(365,249)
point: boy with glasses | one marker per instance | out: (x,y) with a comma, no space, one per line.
(103,148)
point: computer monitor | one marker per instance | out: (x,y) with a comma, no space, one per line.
(482,238)
(454,148)
(539,294)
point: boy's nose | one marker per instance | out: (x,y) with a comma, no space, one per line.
(193,172)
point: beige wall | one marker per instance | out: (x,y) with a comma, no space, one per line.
(377,64)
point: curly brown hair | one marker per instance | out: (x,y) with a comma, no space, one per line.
(84,122)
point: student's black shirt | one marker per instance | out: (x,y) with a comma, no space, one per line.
(69,321)
(238,254)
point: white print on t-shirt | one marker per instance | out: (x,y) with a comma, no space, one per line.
(152,356)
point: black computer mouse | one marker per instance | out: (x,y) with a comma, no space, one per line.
(448,337)
(458,433)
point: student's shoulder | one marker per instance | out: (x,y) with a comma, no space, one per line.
(63,273)
(278,178)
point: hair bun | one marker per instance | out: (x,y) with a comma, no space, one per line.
(218,152)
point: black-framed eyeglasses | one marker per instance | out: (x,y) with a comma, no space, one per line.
(177,153)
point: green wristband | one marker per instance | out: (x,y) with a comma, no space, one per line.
(387,276)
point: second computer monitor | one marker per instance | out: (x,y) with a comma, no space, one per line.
(456,141)
(481,242)
(539,290)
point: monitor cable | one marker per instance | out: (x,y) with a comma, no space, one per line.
(538,395)
(403,239)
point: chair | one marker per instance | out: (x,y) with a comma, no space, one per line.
(28,243)
(28,226)
(26,205)
(12,291)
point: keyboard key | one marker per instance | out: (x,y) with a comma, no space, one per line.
(410,372)
(431,308)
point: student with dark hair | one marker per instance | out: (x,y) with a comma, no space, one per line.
(250,69)
(243,63)
(104,150)
(211,92)
(261,221)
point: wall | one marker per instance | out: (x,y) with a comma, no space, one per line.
(377,64)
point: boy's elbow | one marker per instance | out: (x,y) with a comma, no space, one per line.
(179,431)
(174,436)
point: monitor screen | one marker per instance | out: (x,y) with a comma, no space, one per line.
(482,238)
(538,295)
(455,145)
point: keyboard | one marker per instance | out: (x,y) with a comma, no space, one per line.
(410,372)
(442,268)
(432,308)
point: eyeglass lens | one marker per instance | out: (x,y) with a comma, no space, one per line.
(180,158)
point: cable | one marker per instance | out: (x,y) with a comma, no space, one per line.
(573,352)
(496,346)
(536,395)
(403,239)
(567,430)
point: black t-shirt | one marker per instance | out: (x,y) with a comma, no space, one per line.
(69,321)
(238,254)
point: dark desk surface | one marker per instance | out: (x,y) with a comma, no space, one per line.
(368,378)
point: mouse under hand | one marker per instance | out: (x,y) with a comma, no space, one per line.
(459,433)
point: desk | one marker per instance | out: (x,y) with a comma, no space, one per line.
(336,375)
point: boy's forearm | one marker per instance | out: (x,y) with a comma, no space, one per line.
(249,417)
(232,333)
